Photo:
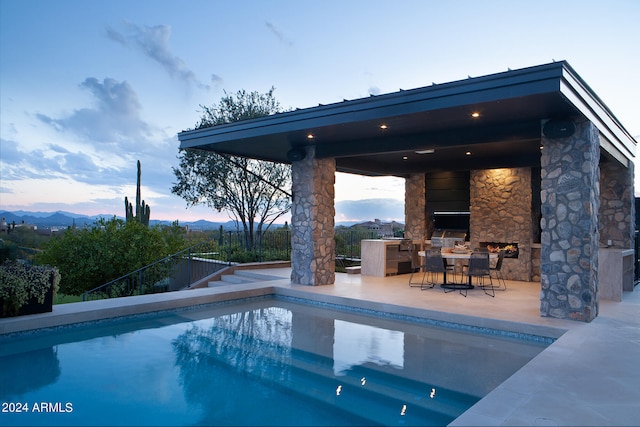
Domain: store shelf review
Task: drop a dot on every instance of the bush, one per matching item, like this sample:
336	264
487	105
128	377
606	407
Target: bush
90	257
8	250
22	284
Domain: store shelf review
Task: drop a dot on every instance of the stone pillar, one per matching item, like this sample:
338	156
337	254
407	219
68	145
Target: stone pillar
617	205
415	214
312	220
570	201
500	212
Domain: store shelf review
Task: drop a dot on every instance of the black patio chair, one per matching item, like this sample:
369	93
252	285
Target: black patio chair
417	265
434	265
497	273
479	268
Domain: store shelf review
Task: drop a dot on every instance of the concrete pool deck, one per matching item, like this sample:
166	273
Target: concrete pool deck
589	376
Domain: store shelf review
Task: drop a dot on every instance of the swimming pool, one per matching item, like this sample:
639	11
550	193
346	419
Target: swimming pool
261	361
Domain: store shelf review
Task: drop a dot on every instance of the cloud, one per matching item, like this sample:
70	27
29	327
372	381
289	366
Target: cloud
115	118
96	145
369	209
116	36
53	161
279	35
216	80
153	42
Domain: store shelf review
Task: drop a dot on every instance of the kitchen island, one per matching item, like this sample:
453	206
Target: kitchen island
386	257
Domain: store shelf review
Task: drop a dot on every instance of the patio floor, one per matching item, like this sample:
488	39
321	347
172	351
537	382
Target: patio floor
589	376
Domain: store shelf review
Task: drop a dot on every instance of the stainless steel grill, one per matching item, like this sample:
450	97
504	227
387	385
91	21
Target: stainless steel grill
447	238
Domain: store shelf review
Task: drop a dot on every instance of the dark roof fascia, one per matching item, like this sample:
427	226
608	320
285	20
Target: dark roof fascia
509	84
619	143
556	77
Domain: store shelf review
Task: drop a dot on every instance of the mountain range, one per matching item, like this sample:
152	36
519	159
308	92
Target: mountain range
62	219
66	219
386	209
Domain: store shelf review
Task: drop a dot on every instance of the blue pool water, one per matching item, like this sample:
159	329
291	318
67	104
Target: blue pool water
256	362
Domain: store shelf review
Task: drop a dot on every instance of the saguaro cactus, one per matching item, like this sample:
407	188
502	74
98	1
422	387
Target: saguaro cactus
143	211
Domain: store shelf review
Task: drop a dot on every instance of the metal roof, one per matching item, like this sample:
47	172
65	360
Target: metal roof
512	106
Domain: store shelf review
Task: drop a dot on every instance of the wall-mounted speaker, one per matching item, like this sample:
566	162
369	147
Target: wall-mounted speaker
295	154
558	129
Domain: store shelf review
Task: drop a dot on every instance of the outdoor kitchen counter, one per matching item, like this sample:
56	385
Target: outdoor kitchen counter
385	257
616	272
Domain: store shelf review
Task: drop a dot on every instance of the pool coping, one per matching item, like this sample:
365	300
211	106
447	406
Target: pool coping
67	314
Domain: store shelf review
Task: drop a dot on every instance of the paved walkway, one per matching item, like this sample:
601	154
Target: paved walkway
589	377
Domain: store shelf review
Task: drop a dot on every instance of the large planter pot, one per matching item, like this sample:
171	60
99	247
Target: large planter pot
34	307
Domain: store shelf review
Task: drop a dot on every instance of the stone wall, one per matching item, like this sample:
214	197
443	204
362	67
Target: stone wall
414	207
617	205
501	212
313	220
570	202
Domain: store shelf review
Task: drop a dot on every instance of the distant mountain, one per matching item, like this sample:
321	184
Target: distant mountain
385	209
67	219
367	209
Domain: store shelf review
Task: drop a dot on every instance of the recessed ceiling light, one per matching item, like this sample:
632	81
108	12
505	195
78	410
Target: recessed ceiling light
475	114
404	157
468	153
310	136
383	126
426	151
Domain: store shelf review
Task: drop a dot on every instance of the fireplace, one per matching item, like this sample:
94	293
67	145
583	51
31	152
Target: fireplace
510	249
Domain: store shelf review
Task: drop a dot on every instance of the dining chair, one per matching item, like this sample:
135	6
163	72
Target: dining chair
497	272
417	265
479	268
434	265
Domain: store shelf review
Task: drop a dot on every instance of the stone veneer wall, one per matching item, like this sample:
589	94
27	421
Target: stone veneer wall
500	211
313	220
570	202
414	207
617	205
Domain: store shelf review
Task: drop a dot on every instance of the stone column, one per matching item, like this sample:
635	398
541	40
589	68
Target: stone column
617	205
500	207
415	215
570	202
312	220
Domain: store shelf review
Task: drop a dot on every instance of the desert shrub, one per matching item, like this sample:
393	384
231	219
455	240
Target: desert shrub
90	257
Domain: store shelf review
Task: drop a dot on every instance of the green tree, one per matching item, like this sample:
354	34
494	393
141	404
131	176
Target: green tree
90	257
250	191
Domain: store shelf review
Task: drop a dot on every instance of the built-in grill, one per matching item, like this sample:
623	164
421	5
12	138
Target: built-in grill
447	238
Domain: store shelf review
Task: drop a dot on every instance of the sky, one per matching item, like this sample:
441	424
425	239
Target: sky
89	87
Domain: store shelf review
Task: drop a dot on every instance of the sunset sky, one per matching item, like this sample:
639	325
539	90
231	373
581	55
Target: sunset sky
88	87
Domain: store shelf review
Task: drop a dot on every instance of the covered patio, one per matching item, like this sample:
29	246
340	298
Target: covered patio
547	166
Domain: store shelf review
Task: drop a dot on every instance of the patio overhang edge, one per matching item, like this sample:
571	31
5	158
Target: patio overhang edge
288	130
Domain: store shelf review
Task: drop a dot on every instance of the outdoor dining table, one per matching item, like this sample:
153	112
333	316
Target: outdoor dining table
447	253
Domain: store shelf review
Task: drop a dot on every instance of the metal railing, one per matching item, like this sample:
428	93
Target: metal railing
172	273
190	265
